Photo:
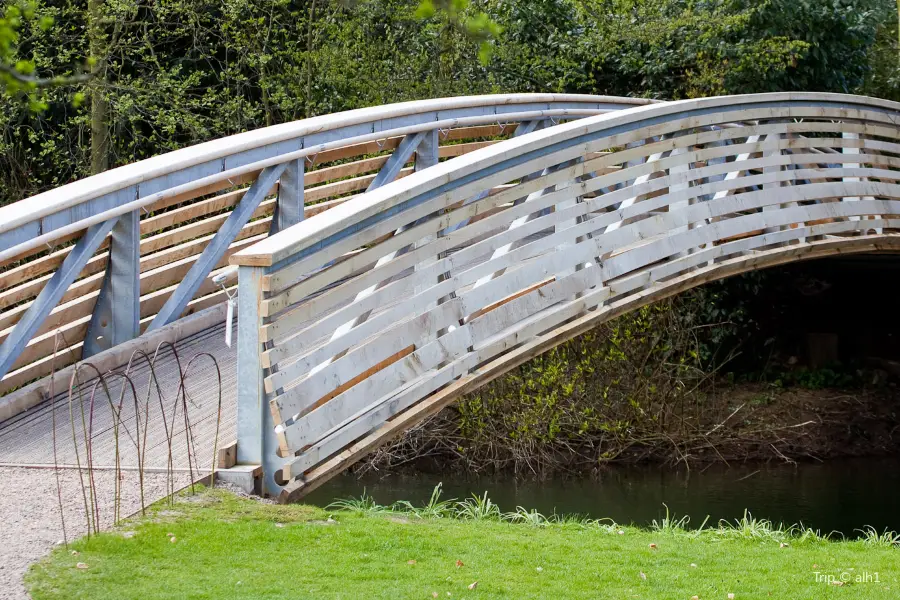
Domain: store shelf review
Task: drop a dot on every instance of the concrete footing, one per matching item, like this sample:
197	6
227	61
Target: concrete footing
246	477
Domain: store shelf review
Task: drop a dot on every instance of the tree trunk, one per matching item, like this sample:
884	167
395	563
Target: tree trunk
99	106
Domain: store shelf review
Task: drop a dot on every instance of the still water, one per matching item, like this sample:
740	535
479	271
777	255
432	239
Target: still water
840	496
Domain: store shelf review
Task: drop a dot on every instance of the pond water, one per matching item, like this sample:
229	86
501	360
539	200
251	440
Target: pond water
840	495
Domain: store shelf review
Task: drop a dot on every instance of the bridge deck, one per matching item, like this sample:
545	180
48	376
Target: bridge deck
28	438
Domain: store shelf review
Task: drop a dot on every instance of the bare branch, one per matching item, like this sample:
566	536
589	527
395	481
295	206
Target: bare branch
43	82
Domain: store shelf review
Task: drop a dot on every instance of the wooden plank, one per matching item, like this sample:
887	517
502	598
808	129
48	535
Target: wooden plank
195	211
484	374
35	393
212	188
79	300
46	365
446	348
491	334
204	227
45	264
227	456
453	150
364	375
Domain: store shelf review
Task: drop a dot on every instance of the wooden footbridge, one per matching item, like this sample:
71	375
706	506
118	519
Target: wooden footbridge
375	282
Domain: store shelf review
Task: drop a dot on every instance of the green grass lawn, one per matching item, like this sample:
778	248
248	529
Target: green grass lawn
228	547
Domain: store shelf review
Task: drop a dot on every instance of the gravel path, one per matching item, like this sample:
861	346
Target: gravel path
29	513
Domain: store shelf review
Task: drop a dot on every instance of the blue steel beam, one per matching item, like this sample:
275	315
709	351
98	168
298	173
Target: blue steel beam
289	207
52	293
216	248
256	440
427	151
117	314
527	127
395	161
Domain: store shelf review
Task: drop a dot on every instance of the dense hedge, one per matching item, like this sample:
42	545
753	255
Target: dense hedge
177	72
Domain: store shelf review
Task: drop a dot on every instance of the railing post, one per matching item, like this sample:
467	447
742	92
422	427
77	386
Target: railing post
117	314
427	151
51	294
289	206
256	443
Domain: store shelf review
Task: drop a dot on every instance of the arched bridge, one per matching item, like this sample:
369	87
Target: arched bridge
379	308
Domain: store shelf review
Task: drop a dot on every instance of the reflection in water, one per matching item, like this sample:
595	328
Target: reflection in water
842	495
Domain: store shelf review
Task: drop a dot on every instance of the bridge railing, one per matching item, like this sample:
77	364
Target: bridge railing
91	264
361	321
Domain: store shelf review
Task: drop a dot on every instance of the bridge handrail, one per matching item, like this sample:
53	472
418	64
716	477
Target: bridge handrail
132	249
278	247
141	183
356	318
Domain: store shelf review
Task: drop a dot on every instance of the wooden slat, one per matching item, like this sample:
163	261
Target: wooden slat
348	455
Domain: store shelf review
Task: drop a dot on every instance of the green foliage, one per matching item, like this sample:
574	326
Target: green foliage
885	539
478	508
606	388
178	72
231	547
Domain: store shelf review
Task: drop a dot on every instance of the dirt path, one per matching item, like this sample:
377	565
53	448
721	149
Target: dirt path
30	523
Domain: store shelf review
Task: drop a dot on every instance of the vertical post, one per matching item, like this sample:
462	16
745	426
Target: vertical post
256	442
771	148
117	314
427	151
53	291
426	156
675	188
289	207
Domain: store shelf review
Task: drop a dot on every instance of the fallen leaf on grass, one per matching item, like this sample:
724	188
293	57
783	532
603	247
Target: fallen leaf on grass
81	566
653	546
473	585
173	539
695	597
459	563
434	594
410	562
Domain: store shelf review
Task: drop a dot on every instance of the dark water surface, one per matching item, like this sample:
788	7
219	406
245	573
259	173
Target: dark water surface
840	495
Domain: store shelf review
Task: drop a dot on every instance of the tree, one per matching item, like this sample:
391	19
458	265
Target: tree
19	75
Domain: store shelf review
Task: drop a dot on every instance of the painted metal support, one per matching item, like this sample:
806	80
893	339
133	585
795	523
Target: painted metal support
117	314
426	156
527	127
289	207
52	293
256	442
216	248
395	161
427	151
